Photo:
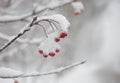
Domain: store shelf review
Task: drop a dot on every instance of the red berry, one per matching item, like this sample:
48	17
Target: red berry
45	55
57	39
52	54
63	34
40	51
76	13
57	50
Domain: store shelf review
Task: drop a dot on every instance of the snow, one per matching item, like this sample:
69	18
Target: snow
36	40
49	44
62	21
13	18
11	38
78	6
91	45
25	27
21	40
9	73
3	36
6	81
53	4
40	8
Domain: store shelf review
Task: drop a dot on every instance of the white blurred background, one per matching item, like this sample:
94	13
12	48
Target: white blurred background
93	36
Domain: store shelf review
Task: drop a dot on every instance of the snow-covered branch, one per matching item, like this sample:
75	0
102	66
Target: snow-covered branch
22	32
52	5
53	19
11	74
22	40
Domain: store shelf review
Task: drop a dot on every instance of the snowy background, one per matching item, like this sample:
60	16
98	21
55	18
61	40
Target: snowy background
93	36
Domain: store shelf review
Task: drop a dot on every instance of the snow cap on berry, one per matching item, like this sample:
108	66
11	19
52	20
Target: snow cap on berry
78	7
63	22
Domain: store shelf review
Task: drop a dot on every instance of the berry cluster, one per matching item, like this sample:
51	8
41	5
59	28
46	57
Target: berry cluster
52	54
50	46
60	25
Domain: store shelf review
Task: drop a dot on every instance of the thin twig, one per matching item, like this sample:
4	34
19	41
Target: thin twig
43	29
52	25
59	70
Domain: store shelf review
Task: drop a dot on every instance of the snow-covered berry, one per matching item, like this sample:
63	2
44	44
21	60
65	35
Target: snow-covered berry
78	7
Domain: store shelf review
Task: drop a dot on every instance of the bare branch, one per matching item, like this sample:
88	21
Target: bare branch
59	70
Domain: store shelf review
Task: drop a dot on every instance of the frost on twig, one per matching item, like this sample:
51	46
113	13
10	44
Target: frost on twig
16	74
9	73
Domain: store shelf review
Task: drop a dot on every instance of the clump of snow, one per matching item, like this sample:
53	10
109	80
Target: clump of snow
78	6
54	34
60	19
9	73
63	22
